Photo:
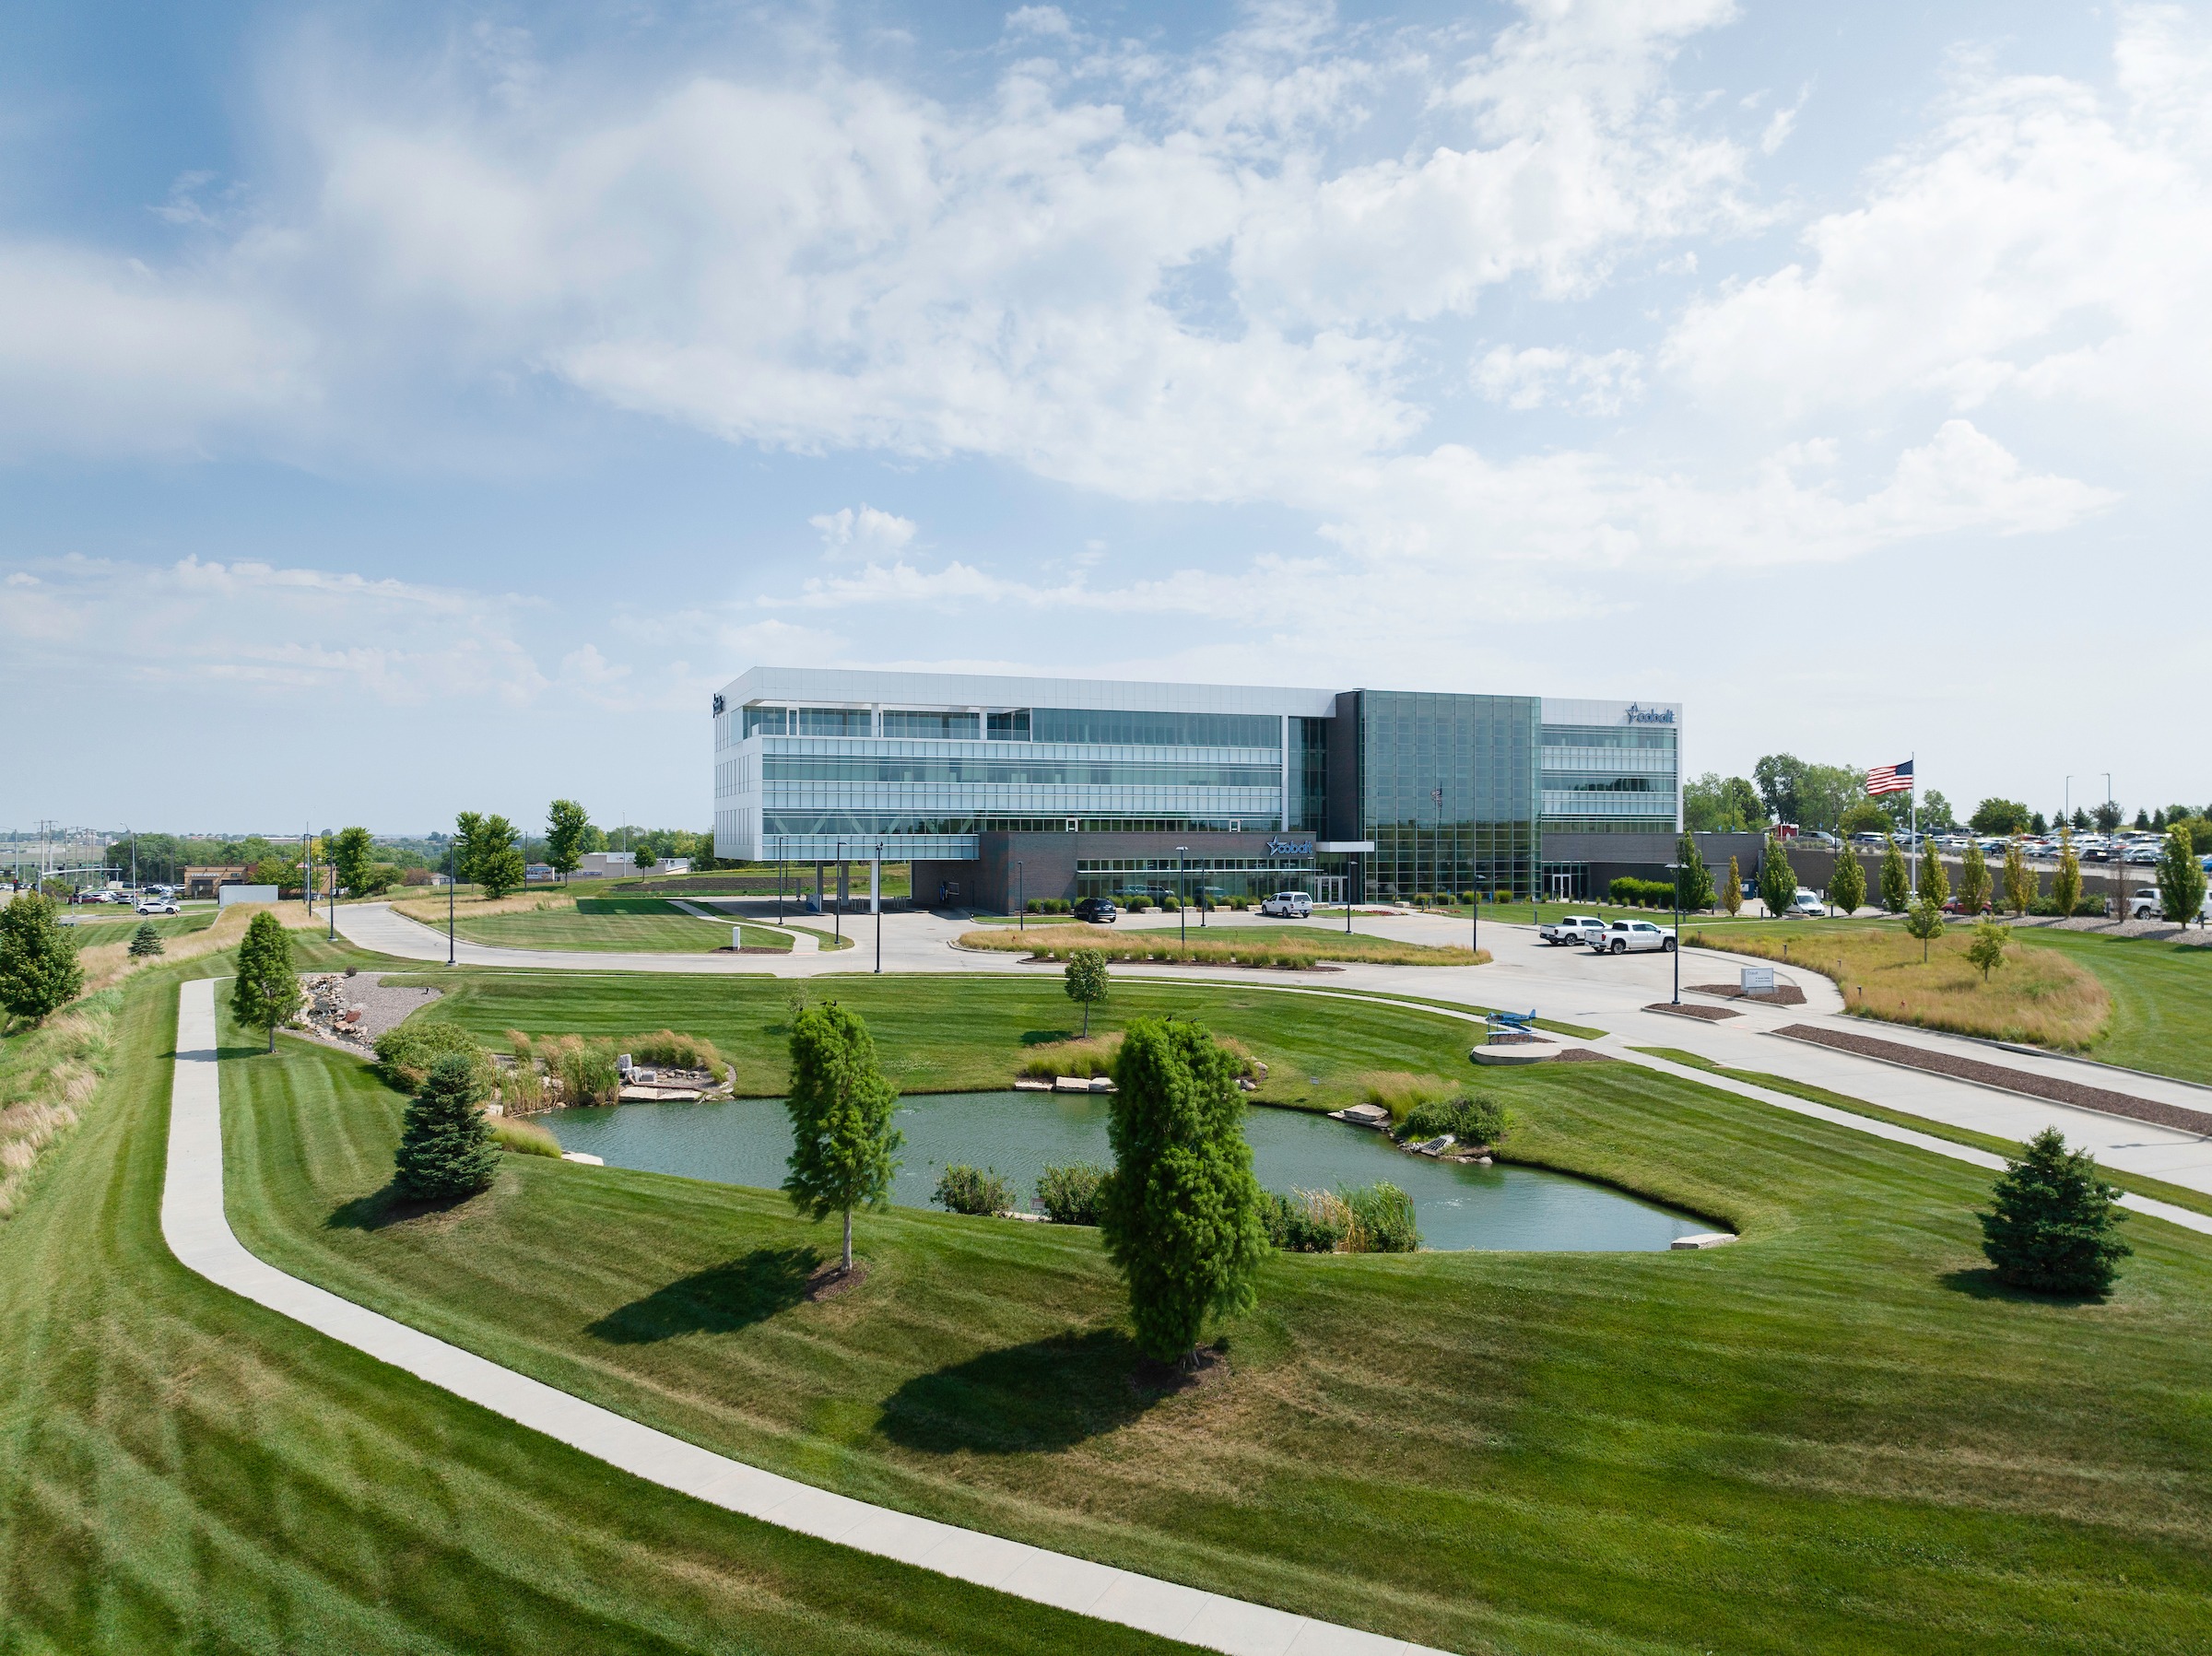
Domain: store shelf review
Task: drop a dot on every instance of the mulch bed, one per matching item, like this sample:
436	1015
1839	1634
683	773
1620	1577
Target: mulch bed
1786	994
1582	1055
1996	1074
1151	1379
1707	1014
1224	965
833	1279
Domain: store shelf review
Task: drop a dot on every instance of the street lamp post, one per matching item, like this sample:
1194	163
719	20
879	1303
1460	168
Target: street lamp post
1021	898
331	907
453	868
837	925
876	903
1675	869
1182	923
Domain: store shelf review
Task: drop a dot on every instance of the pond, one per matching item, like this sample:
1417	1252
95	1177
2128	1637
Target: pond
745	1141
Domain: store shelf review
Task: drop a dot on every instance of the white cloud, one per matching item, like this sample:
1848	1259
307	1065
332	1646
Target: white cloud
2045	242
865	534
1578	380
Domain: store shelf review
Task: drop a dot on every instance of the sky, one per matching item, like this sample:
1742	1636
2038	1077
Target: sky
411	409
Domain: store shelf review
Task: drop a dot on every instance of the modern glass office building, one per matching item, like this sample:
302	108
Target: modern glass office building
998	789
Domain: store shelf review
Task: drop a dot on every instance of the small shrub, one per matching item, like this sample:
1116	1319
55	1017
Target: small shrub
1136	905
1474	1120
406	1055
525	1139
1069	1195
1381	1220
965	1189
145	941
1305	1221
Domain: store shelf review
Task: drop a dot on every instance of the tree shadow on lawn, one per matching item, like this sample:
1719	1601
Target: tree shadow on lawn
1983	1283
1046	1038
719	1300
386	1207
1046	1395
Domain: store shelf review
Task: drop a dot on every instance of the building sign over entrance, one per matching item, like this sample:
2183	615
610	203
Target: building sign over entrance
1289	848
1650	715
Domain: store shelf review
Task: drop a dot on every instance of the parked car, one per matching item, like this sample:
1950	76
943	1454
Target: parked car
1868	837
1098	910
2140	853
1572	928
159	905
1818	837
1288	905
1951	905
1633	938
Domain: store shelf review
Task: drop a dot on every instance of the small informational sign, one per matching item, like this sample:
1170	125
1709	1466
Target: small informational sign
1758	979
737	937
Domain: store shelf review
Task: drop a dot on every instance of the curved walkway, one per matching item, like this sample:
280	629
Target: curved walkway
194	1224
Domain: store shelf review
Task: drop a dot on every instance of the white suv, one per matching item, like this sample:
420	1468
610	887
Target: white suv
1288	905
1632	937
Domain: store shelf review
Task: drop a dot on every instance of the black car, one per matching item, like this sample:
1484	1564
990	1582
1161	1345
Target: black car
1098	911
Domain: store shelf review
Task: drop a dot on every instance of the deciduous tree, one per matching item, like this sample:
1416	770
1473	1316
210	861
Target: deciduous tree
1973	881
350	852
1935	884
844	1147
1087	980
566	824
2053	1222
1180	1211
1694	880
265	994
2020	880
40	972
1995	816
2066	884
487	856
1924	920
1732	890
1896	885
2181	878
1777	879
1847	885
1988	950
445	1146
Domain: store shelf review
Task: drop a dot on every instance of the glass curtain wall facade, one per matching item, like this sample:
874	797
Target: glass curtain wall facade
1610	779
1449	793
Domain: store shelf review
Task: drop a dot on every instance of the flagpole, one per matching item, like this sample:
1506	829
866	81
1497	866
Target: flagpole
1913	810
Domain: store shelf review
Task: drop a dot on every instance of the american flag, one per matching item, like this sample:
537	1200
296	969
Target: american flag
1890	778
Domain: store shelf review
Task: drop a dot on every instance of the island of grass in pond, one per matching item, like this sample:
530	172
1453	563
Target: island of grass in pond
1458	1205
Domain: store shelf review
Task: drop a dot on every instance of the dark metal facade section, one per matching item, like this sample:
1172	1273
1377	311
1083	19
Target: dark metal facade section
1054	865
1449	792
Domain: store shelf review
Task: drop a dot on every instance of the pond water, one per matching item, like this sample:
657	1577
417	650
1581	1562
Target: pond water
745	1141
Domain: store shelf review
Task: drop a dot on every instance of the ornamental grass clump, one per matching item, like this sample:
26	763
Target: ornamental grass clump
2051	1223
965	1189
446	1150
1401	1092
586	1070
1092	1056
525	1139
677	1051
1305	1221
1381	1220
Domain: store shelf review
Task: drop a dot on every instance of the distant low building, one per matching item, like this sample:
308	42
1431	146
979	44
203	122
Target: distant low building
607	866
538	871
207	882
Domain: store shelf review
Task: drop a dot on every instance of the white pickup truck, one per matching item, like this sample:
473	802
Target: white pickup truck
1572	928
1633	938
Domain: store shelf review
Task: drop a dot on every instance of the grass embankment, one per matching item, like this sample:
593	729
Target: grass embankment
1839	1434
2038	996
927	1032
180	1470
1296	948
2181	1195
601	924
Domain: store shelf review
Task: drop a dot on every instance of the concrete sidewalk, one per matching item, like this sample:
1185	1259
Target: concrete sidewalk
194	1224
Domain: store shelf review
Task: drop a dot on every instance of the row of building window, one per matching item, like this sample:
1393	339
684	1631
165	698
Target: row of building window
885	768
856	824
1086	726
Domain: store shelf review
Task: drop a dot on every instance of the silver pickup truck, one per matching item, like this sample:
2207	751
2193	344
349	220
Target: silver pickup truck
1572	928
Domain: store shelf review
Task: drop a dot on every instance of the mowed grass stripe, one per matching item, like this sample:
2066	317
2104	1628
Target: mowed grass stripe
182	1470
1834	1436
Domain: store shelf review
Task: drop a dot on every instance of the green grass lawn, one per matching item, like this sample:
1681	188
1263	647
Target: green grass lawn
636	925
2161	992
1839	1434
122	927
181	1471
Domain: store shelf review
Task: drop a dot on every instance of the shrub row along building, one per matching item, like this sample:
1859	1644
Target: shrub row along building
1000	789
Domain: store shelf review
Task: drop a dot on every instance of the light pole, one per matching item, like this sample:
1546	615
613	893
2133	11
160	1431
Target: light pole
877	906
453	868
331	907
778	880
1021	898
1182	923
1675	869
837	924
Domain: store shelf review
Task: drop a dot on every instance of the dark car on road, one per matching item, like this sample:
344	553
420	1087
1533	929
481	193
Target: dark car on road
1098	911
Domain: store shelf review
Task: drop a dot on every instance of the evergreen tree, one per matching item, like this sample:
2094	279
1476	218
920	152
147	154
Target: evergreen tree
40	973
446	1149
266	990
1924	920
351	850
1973	880
1777	879
1694	880
2053	1220
145	941
1180	1211
2066	884
1847	885
1897	885
2020	880
2181	878
566	824
843	1148
1934	882
1732	890
1087	980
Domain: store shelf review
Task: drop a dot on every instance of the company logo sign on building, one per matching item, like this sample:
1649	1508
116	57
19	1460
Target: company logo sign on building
1650	715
